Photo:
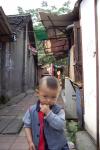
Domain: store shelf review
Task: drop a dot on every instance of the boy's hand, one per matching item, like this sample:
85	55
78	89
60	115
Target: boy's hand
31	146
45	109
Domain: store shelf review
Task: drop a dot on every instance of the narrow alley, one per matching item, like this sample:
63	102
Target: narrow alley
58	42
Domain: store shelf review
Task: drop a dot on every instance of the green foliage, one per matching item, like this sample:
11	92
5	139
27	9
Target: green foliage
42	57
72	127
44	4
20	10
64	9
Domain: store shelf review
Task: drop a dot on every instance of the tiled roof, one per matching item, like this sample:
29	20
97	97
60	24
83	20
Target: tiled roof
17	22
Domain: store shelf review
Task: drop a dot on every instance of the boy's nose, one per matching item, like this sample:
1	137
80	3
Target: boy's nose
48	99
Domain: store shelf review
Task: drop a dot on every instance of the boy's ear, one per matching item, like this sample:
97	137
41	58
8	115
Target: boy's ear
37	92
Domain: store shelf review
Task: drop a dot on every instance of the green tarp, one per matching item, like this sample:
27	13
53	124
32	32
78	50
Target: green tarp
41	34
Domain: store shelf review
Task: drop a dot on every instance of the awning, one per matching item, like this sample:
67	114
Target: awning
55	25
5	29
4	25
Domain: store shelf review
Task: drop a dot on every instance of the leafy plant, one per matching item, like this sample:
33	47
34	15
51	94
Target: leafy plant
72	127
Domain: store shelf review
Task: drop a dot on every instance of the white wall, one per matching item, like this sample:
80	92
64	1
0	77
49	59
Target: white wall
99	48
89	64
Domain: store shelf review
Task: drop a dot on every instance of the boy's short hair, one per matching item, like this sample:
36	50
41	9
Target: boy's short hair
51	82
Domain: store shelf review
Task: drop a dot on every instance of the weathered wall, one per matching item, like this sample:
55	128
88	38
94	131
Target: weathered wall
2	68
30	66
19	68
13	75
0	72
31	72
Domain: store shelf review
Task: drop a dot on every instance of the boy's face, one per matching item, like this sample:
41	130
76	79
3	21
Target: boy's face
47	96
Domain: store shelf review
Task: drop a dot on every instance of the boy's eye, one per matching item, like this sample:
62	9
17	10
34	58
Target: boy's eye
45	96
53	97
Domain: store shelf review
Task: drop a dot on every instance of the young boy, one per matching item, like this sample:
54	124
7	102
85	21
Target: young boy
44	121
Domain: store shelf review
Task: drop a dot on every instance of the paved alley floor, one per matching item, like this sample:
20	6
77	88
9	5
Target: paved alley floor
13	142
12	135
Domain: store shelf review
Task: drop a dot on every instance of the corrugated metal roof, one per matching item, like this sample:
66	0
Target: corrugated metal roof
56	24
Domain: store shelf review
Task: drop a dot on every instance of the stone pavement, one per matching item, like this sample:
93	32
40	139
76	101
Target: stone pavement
13	142
11	114
11	138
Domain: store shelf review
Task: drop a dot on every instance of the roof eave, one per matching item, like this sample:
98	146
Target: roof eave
5	23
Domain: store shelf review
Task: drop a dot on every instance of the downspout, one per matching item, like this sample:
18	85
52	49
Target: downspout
70	27
97	70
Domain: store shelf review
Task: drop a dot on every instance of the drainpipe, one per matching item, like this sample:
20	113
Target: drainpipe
70	27
97	70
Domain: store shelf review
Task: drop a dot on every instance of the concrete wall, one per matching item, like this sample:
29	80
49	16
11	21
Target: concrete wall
2	68
99	49
19	68
89	64
30	67
0	72
14	55
31	72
